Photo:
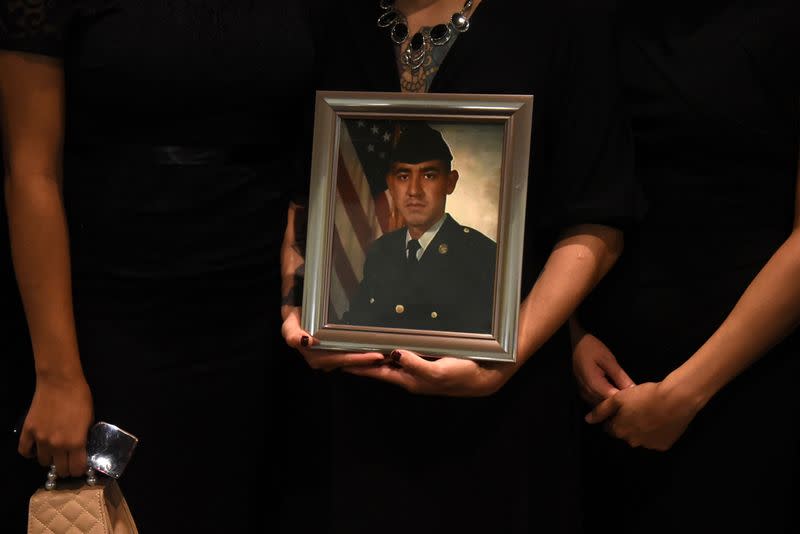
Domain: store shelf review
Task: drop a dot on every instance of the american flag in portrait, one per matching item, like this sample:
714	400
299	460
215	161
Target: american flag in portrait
364	208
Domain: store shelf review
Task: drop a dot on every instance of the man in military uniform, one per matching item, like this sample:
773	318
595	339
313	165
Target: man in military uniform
432	274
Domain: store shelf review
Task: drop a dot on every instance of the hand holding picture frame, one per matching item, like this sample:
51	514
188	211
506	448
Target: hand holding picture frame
416	223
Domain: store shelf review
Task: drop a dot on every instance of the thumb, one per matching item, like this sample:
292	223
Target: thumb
616	373
598	385
26	444
295	336
410	361
603	411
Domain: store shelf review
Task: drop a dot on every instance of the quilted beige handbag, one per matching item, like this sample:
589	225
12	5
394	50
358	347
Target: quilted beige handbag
76	507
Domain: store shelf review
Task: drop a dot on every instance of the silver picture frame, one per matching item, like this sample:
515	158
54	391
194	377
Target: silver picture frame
515	115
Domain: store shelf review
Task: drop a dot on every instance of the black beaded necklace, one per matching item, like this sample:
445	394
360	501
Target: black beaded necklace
415	53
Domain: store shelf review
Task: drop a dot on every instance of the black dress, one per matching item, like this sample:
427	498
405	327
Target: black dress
509	462
715	116
184	126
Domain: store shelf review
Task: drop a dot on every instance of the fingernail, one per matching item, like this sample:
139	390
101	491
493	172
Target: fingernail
304	341
395	356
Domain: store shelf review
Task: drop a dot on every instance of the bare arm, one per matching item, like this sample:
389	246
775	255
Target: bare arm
767	311
291	261
32	110
655	415
581	258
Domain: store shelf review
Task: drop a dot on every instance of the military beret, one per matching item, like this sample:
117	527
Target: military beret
418	142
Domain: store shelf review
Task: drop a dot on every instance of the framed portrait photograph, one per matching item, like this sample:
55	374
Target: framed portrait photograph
416	222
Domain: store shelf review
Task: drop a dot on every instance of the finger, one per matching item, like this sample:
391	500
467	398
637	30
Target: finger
607	428
599	386
397	377
61	461
333	360
603	411
298	338
77	462
412	362
589	396
44	454
613	428
584	391
26	443
617	374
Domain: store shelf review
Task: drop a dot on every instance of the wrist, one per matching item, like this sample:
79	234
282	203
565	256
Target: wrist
59	372
690	393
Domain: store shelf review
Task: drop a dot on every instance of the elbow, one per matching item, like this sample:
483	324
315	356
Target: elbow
602	243
608	244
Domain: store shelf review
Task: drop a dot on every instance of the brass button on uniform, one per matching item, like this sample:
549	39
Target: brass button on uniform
434	315
399	308
372	301
466	230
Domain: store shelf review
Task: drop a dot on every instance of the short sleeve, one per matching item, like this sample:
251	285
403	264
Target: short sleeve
592	174
42	26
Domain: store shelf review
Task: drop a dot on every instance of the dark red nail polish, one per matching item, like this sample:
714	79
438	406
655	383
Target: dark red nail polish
304	341
395	355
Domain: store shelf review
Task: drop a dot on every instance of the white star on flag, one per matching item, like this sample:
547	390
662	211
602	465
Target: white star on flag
370	148
375	129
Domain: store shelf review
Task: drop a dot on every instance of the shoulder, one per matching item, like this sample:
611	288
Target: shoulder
473	239
41	26
574	15
772	41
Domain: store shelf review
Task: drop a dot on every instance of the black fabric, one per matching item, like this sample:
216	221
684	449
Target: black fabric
714	101
175	258
507	463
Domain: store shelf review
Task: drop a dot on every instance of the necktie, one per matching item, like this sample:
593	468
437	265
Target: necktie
412	247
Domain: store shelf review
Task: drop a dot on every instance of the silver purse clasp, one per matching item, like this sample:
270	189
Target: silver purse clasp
108	450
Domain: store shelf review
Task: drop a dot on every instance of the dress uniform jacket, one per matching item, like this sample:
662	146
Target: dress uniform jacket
449	289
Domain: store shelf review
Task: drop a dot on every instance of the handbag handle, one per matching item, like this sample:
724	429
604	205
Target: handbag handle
109	448
52	476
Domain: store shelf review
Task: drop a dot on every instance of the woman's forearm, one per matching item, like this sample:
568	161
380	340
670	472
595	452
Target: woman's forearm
580	259
40	252
291	259
766	312
32	121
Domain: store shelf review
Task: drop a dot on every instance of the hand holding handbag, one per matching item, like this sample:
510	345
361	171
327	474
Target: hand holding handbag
91	506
